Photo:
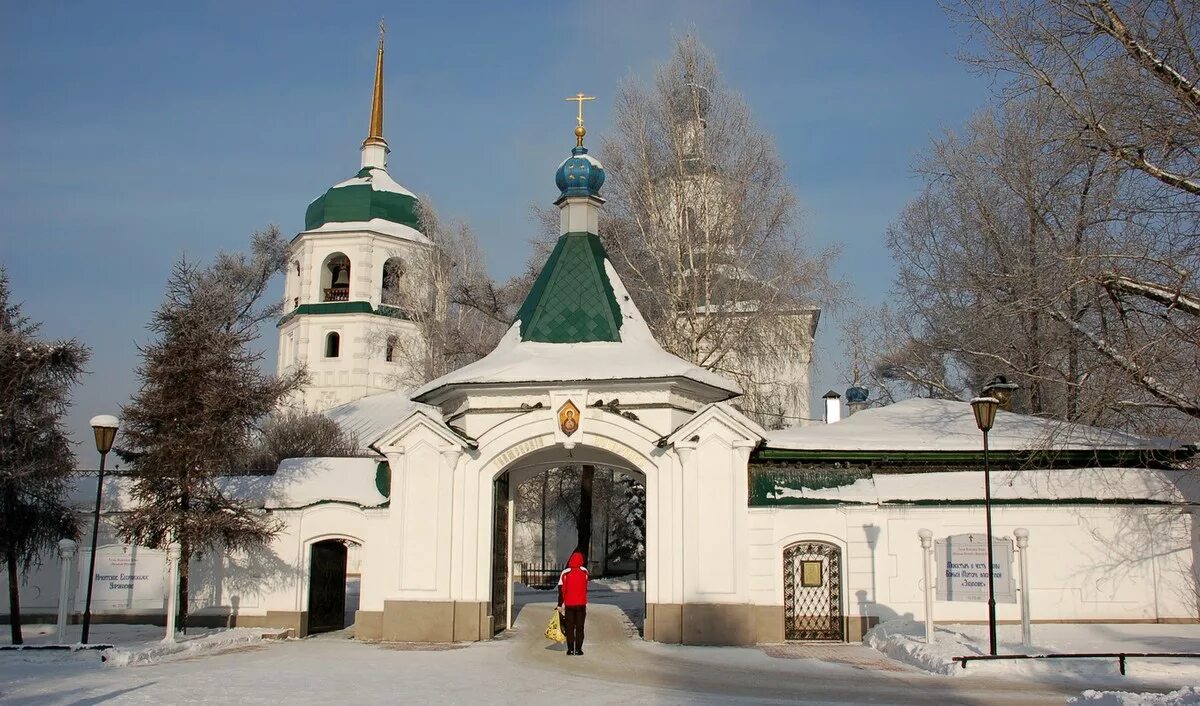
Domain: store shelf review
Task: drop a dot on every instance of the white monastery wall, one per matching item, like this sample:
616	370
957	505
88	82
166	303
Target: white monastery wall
1087	562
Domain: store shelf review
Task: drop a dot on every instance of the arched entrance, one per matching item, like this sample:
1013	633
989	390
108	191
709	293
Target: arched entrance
812	591
332	594
531	471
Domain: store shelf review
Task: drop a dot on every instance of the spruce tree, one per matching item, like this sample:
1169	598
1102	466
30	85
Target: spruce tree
202	396
35	454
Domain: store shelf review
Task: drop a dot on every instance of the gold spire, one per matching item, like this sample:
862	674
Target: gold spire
580	130
375	136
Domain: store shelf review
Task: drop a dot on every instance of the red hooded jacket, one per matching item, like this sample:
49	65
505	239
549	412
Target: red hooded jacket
572	582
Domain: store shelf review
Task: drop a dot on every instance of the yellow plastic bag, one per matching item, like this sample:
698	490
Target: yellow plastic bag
554	629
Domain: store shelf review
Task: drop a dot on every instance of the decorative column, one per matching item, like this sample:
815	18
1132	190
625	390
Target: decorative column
66	552
174	549
926	550
1022	536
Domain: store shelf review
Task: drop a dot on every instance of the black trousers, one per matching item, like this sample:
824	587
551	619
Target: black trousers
573	617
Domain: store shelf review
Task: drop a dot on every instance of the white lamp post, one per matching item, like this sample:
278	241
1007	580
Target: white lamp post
174	549
66	552
926	544
1022	536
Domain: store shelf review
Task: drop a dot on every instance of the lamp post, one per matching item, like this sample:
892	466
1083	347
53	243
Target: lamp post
105	427
985	415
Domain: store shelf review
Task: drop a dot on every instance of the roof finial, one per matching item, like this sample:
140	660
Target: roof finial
580	130
375	135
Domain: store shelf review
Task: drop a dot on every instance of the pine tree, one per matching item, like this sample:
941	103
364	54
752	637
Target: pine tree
202	395
35	455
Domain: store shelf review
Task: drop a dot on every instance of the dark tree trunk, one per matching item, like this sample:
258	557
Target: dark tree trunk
585	510
14	599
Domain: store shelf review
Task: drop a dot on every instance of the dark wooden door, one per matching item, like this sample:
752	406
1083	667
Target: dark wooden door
500	563
327	586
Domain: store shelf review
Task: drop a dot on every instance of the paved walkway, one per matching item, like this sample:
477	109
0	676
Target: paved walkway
811	673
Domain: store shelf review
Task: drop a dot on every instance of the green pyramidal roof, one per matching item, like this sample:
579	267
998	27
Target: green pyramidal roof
572	300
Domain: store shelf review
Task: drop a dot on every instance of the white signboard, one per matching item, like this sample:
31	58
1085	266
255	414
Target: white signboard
962	568
127	578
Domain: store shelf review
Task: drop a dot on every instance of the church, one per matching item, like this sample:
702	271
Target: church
752	535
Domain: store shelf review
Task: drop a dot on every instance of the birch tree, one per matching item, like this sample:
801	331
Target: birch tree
36	462
704	228
1121	78
459	313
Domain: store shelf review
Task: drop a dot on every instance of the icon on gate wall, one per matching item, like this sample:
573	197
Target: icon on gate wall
568	418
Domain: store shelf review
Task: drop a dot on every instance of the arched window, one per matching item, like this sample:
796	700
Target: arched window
335	278
333	344
389	351
393	280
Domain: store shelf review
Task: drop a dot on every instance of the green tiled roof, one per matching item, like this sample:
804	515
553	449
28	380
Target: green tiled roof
572	300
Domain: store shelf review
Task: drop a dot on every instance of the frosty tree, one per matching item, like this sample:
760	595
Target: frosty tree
1056	239
35	455
702	226
202	394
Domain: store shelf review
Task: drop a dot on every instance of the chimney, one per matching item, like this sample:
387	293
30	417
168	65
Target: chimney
833	407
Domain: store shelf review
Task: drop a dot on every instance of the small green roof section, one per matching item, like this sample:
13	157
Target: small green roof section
370	194
572	300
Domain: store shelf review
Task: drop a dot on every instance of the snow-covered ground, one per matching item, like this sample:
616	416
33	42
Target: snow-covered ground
132	644
1186	695
904	640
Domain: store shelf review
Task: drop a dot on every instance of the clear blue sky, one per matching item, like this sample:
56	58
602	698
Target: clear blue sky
131	134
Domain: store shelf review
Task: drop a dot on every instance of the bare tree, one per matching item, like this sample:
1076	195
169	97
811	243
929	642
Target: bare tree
459	313
1121	80
703	228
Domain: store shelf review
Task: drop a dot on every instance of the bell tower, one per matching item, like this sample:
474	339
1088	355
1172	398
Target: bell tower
354	289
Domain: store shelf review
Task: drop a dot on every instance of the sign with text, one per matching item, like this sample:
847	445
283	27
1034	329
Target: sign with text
127	578
962	568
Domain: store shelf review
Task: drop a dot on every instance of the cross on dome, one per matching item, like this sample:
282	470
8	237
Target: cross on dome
580	130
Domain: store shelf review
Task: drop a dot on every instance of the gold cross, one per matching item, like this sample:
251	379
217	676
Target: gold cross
381	31
580	98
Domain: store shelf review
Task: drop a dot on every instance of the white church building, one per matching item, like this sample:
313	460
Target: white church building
752	536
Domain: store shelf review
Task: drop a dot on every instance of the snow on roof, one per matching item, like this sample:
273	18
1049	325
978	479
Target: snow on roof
379	180
375	225
636	356
371	417
949	425
1067	484
297	482
304	481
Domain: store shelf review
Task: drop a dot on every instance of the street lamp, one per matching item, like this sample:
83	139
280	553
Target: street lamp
105	427
985	415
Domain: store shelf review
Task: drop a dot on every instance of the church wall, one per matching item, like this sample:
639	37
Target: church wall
1107	563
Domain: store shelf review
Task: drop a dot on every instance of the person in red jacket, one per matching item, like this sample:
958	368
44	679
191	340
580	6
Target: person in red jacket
572	601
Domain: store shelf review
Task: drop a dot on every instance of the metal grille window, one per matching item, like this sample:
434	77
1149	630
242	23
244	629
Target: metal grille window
812	592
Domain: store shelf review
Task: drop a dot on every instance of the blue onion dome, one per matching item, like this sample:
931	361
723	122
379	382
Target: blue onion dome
857	394
580	174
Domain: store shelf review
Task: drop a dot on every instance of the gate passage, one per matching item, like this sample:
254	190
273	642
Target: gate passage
812	592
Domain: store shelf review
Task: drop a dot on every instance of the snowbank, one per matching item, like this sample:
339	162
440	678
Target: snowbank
1186	695
184	646
904	640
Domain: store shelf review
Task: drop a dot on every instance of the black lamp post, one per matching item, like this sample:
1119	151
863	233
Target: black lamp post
105	427
985	415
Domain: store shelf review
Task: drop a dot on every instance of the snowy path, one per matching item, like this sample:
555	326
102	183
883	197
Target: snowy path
520	668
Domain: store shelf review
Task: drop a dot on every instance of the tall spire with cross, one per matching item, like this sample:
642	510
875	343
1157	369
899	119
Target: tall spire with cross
375	148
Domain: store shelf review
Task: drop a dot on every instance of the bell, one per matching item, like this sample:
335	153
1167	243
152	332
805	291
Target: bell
342	277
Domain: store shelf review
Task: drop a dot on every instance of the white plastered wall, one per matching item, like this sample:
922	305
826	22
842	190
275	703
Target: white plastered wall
1087	562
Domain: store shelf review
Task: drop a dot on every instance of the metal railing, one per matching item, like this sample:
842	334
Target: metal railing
337	294
540	578
1121	657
